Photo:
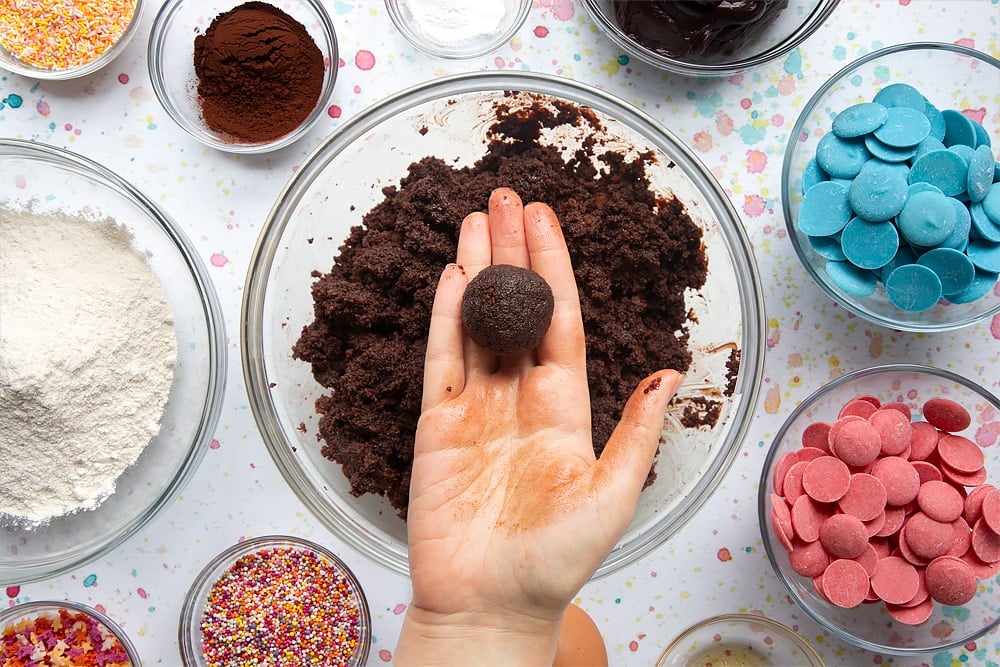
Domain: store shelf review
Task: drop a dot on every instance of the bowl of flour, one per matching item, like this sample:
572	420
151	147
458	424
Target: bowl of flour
112	360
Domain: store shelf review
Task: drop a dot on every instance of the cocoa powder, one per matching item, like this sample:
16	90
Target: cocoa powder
259	73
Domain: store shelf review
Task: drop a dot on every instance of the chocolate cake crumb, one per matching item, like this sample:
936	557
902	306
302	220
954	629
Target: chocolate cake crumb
634	255
700	411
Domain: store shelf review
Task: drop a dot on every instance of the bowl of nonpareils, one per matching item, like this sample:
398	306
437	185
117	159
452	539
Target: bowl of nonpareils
243	76
709	38
880	510
112	360
340	286
891	191
65	40
275	600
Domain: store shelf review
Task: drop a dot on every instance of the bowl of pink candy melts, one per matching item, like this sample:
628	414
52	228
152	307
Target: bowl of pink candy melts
879	505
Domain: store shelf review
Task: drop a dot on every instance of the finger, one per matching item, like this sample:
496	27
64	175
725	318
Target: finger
444	361
629	454
564	343
507	228
474	254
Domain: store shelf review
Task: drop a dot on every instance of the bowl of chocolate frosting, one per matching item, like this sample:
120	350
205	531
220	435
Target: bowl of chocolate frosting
709	37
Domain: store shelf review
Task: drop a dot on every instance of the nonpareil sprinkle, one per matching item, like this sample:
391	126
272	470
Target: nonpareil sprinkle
59	34
281	606
68	638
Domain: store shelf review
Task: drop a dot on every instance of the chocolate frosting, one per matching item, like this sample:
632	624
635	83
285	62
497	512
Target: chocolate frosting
683	28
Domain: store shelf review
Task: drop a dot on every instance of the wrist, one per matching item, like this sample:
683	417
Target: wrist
430	638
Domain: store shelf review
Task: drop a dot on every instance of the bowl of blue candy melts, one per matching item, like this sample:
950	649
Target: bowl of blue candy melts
891	187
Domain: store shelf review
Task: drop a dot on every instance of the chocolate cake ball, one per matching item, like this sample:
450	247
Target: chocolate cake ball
507	309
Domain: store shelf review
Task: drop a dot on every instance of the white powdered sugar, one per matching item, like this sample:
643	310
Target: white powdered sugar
455	21
87	352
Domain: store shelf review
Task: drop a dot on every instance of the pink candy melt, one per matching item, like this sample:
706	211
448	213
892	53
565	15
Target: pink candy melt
876	508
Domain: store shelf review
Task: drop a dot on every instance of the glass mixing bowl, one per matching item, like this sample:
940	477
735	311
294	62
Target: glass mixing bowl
950	77
52	180
795	23
449	117
739	639
869	626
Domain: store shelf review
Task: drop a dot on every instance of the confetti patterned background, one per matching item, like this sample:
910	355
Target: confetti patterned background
738	127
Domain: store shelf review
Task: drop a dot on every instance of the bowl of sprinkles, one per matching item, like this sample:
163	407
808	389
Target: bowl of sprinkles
275	600
38	634
65	40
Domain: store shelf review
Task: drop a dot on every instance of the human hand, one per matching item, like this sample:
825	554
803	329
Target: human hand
510	513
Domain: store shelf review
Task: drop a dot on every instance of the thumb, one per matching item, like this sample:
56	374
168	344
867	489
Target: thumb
629	453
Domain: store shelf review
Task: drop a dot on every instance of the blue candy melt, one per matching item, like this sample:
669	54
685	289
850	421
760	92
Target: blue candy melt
859	119
984	255
851	279
980	287
913	287
982	136
841	158
927	219
985	228
953	268
869	245
879	191
901	95
942	168
827	247
825	209
958	129
812	174
938	127
991	203
888	153
903	256
927	145
980	176
959	237
904	127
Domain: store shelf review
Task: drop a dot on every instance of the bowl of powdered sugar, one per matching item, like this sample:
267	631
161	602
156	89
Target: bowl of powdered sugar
111	360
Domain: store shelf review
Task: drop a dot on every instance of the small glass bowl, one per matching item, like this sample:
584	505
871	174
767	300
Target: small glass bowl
739	639
795	23
190	634
28	612
171	66
950	77
440	41
450	118
869	626
10	62
52	180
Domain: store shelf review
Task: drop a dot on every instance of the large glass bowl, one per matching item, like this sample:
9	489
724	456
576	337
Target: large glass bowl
170	57
449	118
950	77
869	626
52	179
795	23
12	63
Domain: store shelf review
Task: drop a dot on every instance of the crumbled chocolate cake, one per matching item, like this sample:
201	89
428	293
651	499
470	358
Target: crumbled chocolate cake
634	254
507	309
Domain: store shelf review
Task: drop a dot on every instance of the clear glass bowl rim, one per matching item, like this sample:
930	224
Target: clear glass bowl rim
194	598
811	24
261	261
215	323
471	50
765	481
154	49
772	625
87	68
40	606
786	178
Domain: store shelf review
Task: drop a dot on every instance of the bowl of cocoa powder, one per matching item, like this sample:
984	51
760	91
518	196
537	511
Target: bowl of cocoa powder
340	285
243	77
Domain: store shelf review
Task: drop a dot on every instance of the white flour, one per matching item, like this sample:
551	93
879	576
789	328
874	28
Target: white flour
87	351
454	21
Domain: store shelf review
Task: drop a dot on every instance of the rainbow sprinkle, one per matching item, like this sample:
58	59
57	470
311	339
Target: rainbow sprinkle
66	639
59	34
281	606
